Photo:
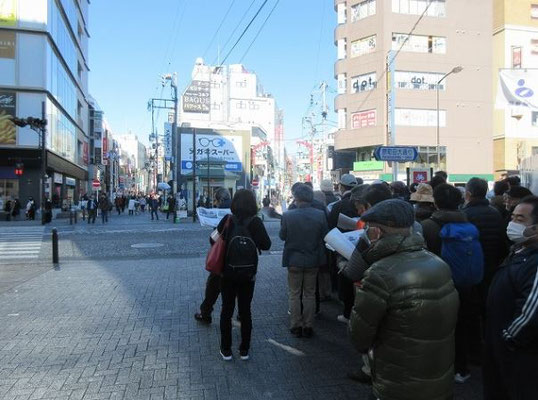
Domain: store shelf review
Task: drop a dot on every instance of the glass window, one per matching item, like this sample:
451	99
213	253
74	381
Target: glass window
363	46
417	7
419	43
364	83
534	118
419	117
9	189
363	10
534	11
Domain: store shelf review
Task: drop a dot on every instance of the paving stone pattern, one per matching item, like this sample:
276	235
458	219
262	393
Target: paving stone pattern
125	330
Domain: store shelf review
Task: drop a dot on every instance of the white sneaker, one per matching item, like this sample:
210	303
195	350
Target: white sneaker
458	378
226	355
342	319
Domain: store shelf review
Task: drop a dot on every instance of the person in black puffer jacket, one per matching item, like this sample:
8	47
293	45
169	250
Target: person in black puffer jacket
489	223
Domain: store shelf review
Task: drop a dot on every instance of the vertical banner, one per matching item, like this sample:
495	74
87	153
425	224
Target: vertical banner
8	108
8	12
167	141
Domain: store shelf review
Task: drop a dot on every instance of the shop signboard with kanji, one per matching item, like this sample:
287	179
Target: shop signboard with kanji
227	150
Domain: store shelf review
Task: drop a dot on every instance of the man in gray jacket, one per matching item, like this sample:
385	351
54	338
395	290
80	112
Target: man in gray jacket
303	230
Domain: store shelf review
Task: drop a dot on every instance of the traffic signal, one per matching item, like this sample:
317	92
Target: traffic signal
19	169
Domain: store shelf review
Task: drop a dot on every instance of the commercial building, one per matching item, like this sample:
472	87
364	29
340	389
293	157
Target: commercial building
231	113
133	161
451	34
515	46
44	61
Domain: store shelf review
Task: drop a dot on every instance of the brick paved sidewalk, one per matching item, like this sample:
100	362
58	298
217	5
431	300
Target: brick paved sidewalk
124	330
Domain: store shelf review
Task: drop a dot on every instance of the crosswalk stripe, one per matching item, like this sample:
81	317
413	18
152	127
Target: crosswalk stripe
20	245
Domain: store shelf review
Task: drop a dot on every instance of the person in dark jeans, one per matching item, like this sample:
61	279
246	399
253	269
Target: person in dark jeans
212	287
244	210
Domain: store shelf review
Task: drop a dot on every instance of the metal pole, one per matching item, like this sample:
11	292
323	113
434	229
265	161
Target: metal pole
55	258
438	139
193	174
208	188
43	163
176	155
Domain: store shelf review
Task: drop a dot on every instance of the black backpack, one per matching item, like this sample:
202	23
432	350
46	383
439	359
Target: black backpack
241	252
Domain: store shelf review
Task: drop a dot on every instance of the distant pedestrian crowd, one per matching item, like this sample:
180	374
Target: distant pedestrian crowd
441	277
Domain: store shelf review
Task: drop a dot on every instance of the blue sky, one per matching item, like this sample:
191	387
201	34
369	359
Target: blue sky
133	42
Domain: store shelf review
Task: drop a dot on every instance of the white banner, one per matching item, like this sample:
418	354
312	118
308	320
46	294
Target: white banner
167	141
517	88
211	216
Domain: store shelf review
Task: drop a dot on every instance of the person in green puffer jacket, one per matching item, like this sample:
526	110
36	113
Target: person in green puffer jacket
405	310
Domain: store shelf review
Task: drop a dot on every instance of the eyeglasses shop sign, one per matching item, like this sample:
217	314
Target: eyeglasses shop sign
197	98
226	149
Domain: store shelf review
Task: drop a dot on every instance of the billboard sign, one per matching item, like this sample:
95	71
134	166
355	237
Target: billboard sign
363	119
225	149
8	12
8	108
167	141
197	98
7	44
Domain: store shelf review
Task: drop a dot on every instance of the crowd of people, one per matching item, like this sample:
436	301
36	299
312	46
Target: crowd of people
441	277
90	205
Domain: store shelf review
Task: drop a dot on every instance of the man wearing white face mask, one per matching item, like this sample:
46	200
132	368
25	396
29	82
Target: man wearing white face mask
512	313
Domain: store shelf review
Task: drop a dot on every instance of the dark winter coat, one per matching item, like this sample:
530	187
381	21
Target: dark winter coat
330	197
431	228
492	231
303	230
344	206
406	312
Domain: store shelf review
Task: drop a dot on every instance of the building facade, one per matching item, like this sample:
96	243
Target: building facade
44	74
230	101
451	34
515	46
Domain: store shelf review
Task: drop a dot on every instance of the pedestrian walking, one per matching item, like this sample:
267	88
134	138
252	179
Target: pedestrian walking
511	356
15	209
132	205
245	237
171	207
143	204
302	230
104	207
30	209
154	207
92	209
405	309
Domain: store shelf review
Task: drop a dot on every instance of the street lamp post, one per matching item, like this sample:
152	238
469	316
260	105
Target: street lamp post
455	70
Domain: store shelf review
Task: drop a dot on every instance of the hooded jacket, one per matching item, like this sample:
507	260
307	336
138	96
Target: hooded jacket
406	312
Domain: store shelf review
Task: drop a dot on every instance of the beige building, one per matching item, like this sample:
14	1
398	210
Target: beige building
515	45
452	33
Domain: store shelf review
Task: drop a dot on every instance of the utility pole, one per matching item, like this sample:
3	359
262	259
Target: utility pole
43	161
194	175
176	155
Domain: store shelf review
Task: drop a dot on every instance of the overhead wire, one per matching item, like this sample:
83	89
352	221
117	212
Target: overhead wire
244	32
391	61
218	29
259	31
238	24
322	27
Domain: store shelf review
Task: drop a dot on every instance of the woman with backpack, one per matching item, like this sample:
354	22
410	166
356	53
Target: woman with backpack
245	236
